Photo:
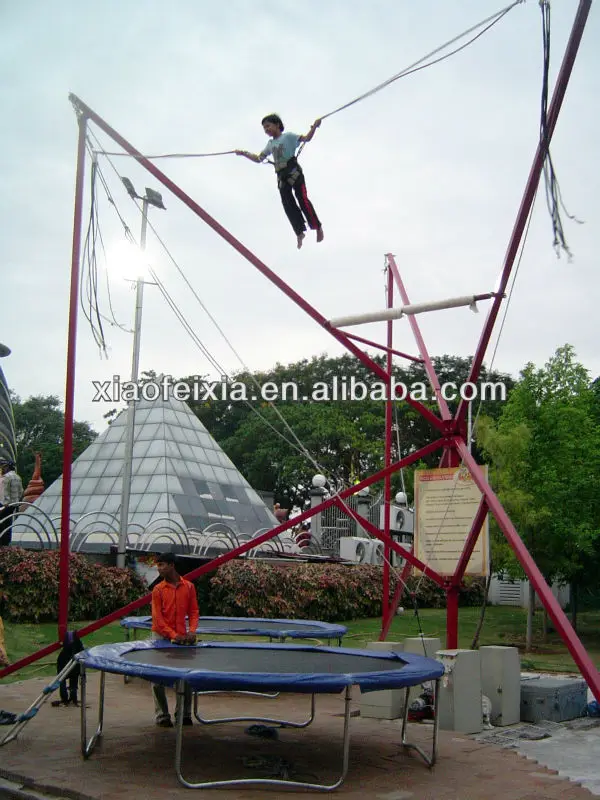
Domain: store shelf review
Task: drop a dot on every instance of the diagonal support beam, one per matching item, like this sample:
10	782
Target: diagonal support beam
529	193
429	368
543	591
470	542
399	353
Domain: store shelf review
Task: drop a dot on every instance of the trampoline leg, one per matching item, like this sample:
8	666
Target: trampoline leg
88	746
429	759
128	636
283	722
288	784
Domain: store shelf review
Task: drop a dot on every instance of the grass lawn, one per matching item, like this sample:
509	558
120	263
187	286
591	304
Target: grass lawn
503	626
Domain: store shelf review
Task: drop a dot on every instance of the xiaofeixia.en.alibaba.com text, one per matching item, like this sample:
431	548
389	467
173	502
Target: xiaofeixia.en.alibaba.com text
340	388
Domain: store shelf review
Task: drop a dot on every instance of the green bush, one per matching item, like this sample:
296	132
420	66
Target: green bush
330	592
29	586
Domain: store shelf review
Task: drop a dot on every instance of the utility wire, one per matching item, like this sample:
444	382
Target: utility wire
299	446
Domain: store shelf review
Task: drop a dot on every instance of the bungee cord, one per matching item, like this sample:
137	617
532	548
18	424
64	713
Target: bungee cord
416	66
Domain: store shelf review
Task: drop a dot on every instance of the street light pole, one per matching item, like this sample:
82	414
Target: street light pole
150	198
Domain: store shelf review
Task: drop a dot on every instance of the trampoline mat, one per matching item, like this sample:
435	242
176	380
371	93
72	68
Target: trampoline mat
262	661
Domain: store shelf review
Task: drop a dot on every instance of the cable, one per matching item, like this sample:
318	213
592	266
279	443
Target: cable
554	199
190	331
493	19
299	446
88	287
168	155
489	22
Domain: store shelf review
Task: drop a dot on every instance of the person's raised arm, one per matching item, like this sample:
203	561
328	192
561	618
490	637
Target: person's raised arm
308	136
251	156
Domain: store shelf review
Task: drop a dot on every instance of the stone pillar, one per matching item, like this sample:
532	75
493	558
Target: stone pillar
387	703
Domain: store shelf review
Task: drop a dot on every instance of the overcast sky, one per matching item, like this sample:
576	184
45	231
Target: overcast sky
431	169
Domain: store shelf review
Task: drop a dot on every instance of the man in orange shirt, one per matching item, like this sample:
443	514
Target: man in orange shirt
173	600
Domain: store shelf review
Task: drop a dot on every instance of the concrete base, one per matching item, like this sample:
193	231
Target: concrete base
501	682
421	646
389	703
460	691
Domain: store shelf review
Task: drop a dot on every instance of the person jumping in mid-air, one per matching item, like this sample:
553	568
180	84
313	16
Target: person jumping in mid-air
290	178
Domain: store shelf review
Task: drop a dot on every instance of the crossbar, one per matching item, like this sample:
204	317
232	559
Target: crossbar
411	309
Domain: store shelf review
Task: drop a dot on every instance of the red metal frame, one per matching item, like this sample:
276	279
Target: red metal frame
65	519
387	485
451	428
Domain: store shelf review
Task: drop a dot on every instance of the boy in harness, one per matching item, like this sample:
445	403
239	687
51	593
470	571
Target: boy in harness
290	178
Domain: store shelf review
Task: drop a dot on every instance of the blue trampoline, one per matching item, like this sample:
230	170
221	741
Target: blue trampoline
273	629
238	667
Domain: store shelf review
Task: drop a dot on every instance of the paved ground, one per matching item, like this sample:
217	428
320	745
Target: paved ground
136	759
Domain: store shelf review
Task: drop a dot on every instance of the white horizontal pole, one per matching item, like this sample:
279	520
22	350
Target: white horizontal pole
413	308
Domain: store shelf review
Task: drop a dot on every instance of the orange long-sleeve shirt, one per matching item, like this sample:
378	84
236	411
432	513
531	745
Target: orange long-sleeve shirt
171	605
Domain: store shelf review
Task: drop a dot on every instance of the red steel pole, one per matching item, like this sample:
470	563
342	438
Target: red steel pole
442	405
356	338
63	592
470	542
529	193
543	591
387	484
393	607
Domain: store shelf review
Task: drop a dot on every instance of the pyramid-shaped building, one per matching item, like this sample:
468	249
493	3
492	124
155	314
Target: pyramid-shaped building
180	476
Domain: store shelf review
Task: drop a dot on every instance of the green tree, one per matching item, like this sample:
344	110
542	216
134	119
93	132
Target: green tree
346	437
39	423
545	464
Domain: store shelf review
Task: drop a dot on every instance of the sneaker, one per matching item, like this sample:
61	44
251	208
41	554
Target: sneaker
164	722
188	721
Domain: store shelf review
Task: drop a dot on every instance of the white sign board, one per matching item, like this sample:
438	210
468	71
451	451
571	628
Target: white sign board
446	501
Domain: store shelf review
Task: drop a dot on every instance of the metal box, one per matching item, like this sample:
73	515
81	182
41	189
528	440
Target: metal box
388	703
553	699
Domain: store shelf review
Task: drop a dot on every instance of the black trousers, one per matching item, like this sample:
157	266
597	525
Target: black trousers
6	521
290	181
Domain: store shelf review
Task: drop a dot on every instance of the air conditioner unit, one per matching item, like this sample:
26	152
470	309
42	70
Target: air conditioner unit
377	552
396	560
402	519
353	548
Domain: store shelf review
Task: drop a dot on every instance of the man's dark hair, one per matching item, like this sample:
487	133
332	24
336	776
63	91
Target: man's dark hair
275	119
165	558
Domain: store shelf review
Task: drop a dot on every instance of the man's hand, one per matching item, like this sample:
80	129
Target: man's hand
179	639
190	639
317	122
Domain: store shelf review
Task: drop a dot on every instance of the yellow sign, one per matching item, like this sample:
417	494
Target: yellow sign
446	501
